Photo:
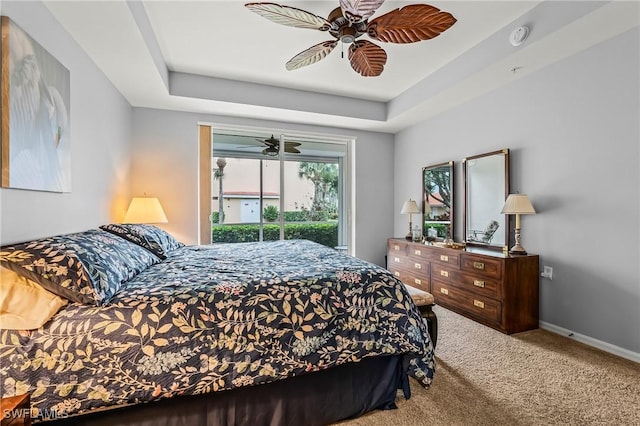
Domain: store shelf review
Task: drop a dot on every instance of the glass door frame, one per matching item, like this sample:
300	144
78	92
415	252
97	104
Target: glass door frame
346	177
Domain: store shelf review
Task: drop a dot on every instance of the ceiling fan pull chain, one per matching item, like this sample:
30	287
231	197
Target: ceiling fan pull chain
342	49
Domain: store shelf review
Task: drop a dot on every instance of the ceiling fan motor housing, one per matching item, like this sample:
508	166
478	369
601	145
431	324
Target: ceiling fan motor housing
343	29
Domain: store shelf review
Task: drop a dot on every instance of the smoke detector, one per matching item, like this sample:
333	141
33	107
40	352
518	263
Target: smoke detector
519	35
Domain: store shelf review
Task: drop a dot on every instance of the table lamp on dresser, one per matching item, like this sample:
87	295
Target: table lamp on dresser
410	207
517	204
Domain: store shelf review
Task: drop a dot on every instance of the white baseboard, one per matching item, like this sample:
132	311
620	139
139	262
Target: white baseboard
607	347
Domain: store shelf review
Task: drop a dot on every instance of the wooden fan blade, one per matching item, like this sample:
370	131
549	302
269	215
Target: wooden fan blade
291	150
291	144
311	55
290	16
410	24
367	59
359	10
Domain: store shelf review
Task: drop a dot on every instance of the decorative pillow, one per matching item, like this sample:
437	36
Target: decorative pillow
154	239
87	267
25	305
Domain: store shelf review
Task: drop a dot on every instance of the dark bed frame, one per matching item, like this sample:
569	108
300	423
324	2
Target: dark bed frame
317	398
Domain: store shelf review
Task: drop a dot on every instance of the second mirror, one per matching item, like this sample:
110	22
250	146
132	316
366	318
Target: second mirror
486	179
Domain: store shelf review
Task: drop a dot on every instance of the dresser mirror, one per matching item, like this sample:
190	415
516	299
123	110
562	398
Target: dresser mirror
486	180
437	201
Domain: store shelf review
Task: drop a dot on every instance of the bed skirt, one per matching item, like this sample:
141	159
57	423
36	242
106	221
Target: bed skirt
317	398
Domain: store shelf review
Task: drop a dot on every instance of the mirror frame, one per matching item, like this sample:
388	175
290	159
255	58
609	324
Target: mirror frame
500	245
450	222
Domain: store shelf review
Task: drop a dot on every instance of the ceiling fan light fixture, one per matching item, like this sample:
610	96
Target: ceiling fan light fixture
347	34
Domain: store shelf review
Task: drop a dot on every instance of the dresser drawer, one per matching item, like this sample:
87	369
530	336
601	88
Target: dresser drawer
482	307
444	273
412	279
481	285
420	266
418	253
397	248
482	266
446	258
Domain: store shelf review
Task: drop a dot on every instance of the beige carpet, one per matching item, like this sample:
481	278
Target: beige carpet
484	377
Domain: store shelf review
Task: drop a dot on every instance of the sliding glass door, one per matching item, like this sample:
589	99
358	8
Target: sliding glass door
262	191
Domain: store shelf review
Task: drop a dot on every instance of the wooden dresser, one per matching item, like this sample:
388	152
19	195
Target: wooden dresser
497	290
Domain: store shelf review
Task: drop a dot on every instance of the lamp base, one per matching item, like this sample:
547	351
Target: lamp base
517	249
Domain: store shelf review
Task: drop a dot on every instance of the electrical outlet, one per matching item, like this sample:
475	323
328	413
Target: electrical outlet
547	272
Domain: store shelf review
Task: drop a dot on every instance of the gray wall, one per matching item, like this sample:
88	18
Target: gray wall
573	131
165	164
100	143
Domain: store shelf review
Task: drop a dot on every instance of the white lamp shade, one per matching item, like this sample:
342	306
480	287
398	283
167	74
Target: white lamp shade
409	206
518	204
145	210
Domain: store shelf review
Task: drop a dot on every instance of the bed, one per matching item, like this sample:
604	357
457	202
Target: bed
155	332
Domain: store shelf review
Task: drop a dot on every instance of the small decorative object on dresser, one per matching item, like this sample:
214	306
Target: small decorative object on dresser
493	288
16	411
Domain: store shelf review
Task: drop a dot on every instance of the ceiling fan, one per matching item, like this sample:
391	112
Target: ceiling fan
273	146
350	20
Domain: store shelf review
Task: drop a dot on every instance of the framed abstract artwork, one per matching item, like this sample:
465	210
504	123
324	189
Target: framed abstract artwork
35	95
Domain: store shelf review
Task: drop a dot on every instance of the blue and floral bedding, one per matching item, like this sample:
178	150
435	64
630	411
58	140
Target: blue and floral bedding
216	317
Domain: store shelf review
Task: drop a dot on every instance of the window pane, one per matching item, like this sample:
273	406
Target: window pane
311	199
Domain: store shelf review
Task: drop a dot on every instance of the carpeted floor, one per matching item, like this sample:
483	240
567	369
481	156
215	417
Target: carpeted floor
484	377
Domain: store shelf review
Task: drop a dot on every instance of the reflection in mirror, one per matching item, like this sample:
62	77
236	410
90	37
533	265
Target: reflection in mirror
486	179
437	201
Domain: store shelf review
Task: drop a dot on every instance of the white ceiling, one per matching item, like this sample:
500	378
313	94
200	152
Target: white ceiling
217	57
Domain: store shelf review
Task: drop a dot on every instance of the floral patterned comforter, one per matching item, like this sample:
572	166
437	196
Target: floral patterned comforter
216	317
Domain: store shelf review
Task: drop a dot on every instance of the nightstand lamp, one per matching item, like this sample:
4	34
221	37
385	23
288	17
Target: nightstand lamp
410	207
145	210
517	204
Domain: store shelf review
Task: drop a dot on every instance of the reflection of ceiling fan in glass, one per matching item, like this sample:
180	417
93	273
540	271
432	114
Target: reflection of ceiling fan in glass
348	22
273	146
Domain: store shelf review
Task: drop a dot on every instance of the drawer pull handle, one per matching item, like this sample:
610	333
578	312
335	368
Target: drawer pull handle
444	273
478	304
396	259
478	265
396	273
417	266
444	258
417	252
478	283
444	291
417	281
396	247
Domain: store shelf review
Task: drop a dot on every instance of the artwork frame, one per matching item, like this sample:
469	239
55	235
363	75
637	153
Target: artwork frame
35	92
